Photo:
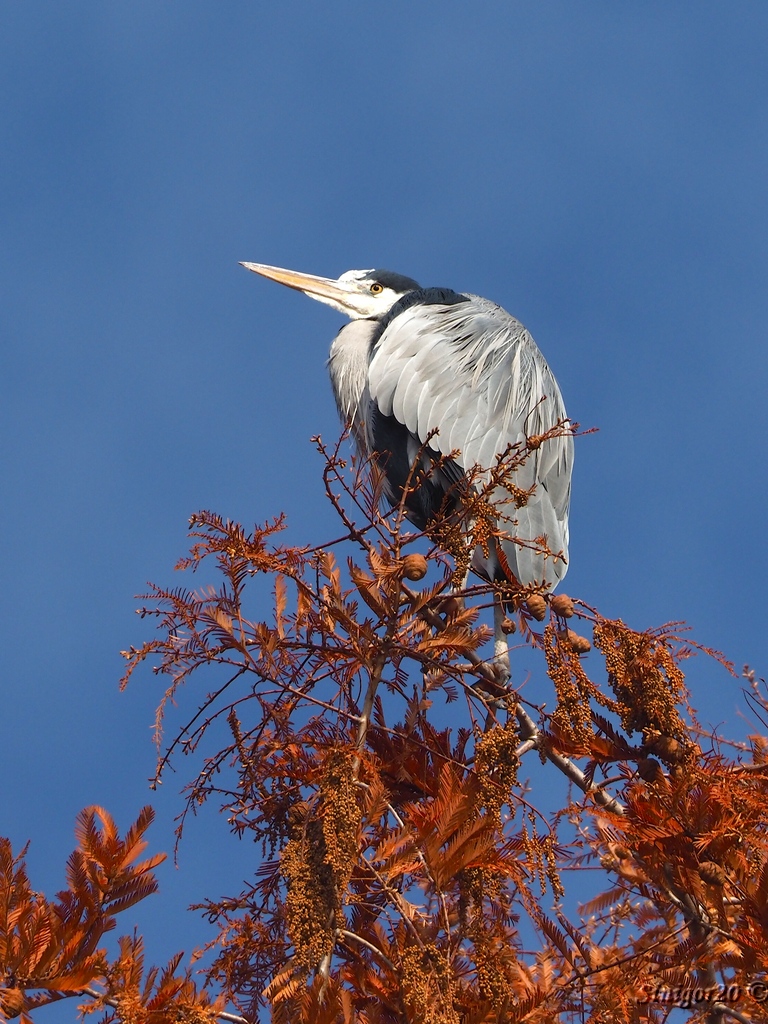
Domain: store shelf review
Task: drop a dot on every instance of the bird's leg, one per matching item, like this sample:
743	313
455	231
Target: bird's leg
500	646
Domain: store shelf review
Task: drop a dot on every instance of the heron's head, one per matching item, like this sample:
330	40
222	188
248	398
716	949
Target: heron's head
359	294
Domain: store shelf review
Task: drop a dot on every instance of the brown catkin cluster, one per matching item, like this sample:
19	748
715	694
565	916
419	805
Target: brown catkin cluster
460	535
490	980
572	718
496	967
483	525
450	535
475	886
550	860
130	1007
518	495
192	1013
534	855
427	985
542	858
496	766
310	902
644	676
341	815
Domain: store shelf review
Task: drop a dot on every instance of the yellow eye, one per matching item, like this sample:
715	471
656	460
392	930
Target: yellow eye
376	288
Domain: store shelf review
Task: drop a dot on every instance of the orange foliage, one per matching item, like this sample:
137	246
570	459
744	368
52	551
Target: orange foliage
411	870
49	949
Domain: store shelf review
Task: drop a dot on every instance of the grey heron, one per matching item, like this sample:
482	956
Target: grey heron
426	372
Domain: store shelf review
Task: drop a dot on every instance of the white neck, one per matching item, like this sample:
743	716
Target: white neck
348	367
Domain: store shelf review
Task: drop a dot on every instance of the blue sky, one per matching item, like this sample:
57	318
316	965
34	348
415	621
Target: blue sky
598	169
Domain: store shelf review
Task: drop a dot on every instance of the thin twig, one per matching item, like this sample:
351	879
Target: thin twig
368	945
531	734
231	1018
729	1011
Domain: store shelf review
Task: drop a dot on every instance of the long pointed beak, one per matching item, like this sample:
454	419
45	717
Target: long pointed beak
345	296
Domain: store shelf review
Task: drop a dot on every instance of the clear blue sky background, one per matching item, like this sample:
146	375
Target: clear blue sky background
598	169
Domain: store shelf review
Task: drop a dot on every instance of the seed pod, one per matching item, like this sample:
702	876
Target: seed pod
508	626
578	644
711	872
648	768
537	607
11	1001
667	748
562	605
414	567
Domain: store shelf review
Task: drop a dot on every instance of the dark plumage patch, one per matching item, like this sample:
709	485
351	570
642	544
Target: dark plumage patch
391	279
396	447
432	490
422	297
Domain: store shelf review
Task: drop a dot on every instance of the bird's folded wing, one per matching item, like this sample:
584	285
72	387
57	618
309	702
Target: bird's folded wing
472	372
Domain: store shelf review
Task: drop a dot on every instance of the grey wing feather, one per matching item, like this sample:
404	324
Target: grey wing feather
473	372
